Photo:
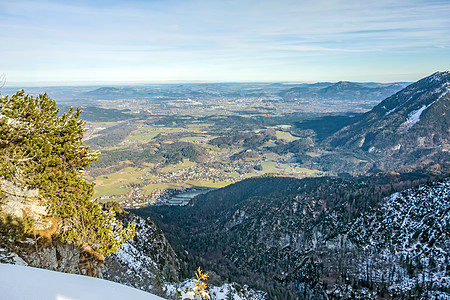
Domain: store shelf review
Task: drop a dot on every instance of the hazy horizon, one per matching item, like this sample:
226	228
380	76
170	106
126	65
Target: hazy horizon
143	83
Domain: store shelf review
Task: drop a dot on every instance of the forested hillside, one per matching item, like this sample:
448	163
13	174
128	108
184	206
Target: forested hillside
318	236
407	131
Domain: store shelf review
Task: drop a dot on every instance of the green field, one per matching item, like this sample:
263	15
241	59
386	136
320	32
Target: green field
191	139
283	135
143	136
172	168
269	167
210	147
148	133
108	185
210	184
235	174
109	190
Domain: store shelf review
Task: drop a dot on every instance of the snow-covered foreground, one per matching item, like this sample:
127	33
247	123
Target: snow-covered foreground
21	282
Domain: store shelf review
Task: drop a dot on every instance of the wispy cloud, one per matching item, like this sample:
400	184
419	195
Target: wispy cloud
69	39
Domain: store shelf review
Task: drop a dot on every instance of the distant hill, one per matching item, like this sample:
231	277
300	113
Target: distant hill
409	130
343	90
104	90
114	93
98	114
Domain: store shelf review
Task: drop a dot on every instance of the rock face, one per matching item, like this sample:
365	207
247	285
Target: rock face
23	202
44	250
145	262
60	257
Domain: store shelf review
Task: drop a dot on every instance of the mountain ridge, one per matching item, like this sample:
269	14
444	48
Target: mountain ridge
342	90
407	131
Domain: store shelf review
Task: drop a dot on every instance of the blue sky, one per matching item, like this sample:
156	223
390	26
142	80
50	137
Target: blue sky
226	40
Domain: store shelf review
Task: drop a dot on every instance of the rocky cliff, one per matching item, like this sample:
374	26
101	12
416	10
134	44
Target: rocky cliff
146	262
32	238
26	203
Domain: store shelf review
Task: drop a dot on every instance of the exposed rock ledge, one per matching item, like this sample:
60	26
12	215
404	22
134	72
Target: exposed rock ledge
65	258
44	251
23	202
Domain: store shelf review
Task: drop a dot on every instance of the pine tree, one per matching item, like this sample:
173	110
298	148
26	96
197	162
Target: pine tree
40	149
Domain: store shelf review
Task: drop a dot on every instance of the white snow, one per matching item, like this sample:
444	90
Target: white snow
236	291
413	118
18	260
413	230
391	111
446	89
403	103
10	257
133	258
438	76
21	282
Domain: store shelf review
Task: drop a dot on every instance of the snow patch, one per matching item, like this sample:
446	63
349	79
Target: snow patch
438	76
24	283
391	111
226	291
414	116
396	147
403	103
446	90
11	258
132	257
411	237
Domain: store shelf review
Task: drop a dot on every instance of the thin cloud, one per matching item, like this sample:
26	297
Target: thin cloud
245	35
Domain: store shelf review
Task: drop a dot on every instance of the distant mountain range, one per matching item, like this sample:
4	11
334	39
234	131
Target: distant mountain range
343	90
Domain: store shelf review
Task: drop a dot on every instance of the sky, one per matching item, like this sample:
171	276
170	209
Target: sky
226	40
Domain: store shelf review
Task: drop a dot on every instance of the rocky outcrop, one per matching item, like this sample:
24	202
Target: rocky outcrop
57	256
26	203
146	261
44	250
